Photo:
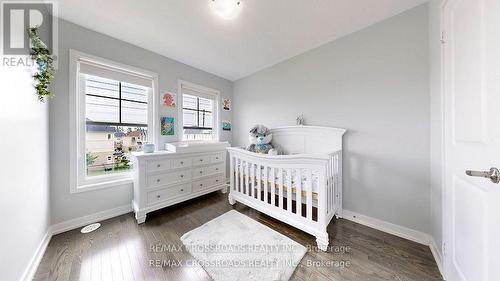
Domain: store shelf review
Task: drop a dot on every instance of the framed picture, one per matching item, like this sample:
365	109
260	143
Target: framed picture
226	125
169	99
167	126
226	104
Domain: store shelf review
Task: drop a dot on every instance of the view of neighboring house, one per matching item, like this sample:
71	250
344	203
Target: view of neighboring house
109	147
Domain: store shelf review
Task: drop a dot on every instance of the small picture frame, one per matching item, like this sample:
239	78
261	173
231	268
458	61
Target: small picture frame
226	125
226	104
168	99
167	126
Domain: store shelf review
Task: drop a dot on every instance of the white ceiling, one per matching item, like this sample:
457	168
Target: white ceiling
265	32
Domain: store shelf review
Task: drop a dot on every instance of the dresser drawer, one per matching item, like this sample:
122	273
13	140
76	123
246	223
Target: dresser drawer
158	165
215	169
199	172
216	158
207	183
168	178
168	193
201	160
181	162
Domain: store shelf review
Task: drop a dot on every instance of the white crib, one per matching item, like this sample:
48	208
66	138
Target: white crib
302	188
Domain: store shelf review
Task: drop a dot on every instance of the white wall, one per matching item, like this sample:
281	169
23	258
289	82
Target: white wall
436	122
24	171
374	83
67	206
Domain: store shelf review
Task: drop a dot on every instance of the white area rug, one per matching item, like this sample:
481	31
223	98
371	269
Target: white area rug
235	247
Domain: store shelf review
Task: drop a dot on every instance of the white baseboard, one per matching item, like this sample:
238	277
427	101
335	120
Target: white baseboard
437	255
394	229
82	221
30	270
400	231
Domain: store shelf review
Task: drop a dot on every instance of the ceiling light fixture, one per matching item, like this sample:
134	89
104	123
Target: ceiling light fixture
226	9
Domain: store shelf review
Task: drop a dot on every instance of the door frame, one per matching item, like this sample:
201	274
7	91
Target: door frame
444	138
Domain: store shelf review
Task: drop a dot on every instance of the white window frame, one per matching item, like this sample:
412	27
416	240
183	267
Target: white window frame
77	177
207	91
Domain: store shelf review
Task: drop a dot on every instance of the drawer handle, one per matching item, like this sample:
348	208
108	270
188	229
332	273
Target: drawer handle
182	176
158	196
182	163
216	169
182	189
201	160
158	166
201	172
216	180
216	158
157	180
201	184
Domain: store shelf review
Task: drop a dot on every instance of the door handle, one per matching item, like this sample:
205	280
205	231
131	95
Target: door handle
493	174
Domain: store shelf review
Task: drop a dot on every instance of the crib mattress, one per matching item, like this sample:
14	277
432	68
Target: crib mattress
277	186
277	176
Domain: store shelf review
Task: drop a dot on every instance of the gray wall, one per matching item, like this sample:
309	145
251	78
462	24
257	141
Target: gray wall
436	129
374	83
24	171
67	206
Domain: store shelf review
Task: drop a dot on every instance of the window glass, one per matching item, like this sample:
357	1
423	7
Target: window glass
198	117
116	116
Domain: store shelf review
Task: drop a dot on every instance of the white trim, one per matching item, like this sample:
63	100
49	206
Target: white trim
88	219
442	250
76	182
217	120
437	255
400	231
68	225
394	229
30	270
121	182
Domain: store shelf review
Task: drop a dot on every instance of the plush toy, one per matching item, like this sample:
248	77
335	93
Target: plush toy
260	140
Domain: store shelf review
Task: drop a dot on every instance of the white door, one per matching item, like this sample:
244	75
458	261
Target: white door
472	139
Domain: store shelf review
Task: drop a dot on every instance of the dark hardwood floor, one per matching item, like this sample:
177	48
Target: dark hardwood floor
121	249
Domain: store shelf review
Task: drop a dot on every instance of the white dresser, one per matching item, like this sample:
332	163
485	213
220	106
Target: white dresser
185	171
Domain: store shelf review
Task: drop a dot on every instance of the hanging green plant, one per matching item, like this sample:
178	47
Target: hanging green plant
40	54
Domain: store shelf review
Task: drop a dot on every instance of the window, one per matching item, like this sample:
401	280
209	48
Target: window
118	109
199	112
113	117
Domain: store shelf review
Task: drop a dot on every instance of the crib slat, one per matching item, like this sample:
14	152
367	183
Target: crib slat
309	194
266	181
334	180
273	186
281	188
231	173
329	186
237	167
247	182
242	179
289	191
252	180
336	177
259	179
298	197
321	192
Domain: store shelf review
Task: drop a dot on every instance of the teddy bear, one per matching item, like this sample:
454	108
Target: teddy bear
260	140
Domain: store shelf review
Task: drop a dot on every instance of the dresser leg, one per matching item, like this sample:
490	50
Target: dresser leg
140	217
224	190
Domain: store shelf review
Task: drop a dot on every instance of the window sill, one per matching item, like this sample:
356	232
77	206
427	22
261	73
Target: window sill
102	185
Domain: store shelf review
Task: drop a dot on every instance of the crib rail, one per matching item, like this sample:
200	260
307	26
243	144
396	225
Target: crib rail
301	188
